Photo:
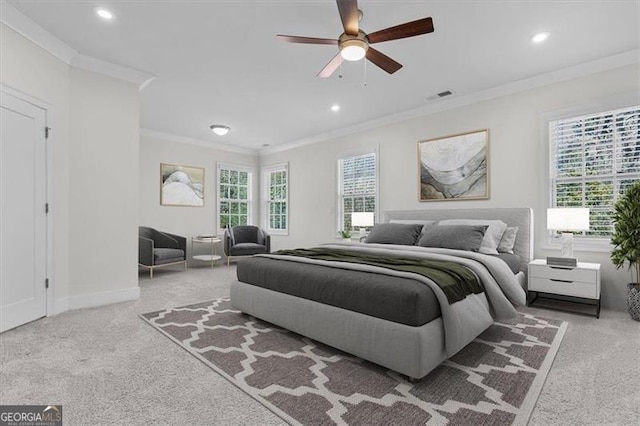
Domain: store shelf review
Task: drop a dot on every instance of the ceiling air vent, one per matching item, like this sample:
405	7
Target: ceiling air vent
440	95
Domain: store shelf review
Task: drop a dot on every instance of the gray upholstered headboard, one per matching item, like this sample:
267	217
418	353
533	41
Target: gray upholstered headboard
522	217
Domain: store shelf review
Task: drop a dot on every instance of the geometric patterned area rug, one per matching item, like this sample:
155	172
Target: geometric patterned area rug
495	380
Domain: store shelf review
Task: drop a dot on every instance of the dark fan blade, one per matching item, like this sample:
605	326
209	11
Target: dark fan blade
333	65
382	60
349	15
306	40
410	29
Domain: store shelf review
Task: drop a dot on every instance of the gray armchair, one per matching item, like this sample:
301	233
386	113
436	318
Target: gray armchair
245	240
156	249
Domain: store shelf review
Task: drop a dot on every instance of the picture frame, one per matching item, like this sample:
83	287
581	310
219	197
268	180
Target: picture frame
454	167
181	185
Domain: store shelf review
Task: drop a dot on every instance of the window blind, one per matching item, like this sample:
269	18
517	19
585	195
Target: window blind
594	159
358	187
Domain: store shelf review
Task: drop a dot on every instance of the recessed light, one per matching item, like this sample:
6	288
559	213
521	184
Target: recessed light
219	129
540	37
335	108
105	14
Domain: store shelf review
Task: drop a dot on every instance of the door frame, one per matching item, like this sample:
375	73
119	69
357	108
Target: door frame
49	235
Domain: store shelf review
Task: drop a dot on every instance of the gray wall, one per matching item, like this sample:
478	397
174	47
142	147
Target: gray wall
518	163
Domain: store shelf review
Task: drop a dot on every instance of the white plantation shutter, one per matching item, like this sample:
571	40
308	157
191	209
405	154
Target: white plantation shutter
594	159
357	187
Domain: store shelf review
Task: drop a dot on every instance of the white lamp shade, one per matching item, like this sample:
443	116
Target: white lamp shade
361	219
568	219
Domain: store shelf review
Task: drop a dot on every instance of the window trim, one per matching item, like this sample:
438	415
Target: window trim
250	178
265	171
339	195
625	100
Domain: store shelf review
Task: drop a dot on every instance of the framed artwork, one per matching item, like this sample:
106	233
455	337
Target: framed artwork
454	167
181	185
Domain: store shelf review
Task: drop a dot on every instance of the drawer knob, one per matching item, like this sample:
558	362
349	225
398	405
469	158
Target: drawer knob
561	281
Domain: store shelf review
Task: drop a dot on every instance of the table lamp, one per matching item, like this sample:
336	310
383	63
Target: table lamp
566	220
362	220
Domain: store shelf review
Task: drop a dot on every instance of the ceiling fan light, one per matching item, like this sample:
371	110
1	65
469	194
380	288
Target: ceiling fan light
219	129
353	50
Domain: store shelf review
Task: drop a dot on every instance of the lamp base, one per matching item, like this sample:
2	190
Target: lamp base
568	262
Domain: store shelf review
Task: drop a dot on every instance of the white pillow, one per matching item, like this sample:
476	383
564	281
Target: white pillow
492	236
508	240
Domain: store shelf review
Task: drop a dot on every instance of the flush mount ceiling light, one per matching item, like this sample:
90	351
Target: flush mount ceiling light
540	37
219	129
105	14
335	108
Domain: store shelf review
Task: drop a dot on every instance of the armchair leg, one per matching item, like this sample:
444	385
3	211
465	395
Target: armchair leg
150	272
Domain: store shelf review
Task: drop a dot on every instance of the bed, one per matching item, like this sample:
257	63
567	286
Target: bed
404	321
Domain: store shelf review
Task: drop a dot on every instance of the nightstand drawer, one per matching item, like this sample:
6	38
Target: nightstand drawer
566	287
566	274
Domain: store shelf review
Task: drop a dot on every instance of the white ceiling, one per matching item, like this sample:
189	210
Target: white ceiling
219	62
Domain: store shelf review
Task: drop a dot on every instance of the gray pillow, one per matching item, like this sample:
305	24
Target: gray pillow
491	237
424	223
395	233
458	237
508	240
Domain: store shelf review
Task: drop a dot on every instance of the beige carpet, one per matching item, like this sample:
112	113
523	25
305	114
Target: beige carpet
107	367
495	380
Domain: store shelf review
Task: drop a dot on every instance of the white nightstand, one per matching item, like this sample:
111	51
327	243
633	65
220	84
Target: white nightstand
582	282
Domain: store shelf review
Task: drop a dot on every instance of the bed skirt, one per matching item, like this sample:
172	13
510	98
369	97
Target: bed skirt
413	351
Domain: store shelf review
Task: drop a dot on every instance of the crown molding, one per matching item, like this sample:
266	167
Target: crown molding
23	25
20	23
197	142
89	63
581	70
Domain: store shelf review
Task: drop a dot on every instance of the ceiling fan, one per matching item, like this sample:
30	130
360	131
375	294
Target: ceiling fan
355	44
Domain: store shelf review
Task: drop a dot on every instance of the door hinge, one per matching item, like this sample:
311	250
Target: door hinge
46	208
46	132
46	283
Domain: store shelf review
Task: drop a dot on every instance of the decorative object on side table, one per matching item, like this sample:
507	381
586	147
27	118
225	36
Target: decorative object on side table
362	220
345	234
577	286
567	220
626	242
454	167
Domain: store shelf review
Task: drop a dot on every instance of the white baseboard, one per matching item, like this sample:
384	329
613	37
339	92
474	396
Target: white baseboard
91	300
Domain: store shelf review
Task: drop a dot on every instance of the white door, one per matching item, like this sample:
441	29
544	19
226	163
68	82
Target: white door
23	244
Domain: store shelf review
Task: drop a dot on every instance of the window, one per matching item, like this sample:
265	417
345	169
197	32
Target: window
594	159
357	187
275	190
234	195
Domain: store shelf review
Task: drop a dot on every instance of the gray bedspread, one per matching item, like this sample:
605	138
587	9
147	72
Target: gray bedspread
398	299
463	320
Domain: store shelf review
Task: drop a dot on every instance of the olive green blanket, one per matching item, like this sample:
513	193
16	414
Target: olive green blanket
456	281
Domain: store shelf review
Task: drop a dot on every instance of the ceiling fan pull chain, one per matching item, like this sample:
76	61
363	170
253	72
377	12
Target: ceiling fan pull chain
365	73
340	71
